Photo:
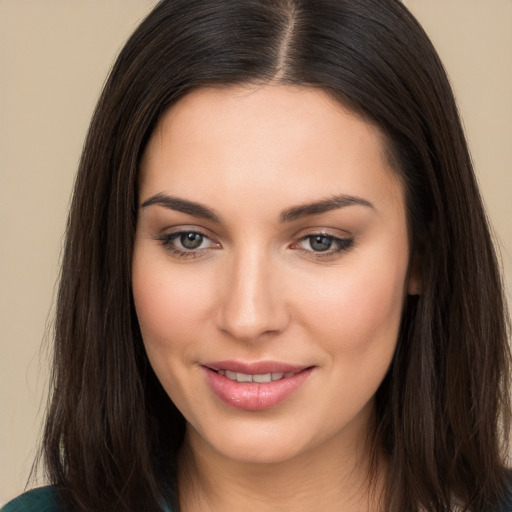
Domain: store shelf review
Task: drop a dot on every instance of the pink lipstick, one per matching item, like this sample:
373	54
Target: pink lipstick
254	386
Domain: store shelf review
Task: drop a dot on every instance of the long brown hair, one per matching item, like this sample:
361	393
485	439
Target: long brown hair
112	433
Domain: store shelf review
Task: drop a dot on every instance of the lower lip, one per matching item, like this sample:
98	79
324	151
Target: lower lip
253	396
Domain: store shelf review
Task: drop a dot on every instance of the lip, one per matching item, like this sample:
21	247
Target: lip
252	396
255	368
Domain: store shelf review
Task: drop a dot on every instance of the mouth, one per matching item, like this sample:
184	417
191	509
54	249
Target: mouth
254	386
260	377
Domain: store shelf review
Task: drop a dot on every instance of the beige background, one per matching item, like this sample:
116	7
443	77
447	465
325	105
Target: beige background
54	56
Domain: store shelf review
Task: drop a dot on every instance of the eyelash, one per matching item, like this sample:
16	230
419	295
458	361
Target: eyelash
167	242
341	244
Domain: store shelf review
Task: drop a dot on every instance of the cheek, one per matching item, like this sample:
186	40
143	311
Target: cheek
172	311
359	307
168	304
170	314
355	319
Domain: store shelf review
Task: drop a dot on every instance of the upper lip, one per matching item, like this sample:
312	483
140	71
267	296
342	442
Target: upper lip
255	368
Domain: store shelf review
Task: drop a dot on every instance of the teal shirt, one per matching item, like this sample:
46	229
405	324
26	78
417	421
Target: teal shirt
42	499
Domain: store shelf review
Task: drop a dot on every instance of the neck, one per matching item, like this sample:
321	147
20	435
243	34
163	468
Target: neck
337	476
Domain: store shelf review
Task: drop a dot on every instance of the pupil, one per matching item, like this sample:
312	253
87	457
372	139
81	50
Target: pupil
320	243
191	240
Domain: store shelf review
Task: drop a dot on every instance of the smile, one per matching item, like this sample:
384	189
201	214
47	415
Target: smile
260	378
254	386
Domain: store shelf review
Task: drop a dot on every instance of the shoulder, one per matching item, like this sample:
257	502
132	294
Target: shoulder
506	507
42	499
507	503
46	499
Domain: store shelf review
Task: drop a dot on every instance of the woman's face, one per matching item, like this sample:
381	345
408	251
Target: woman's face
270	268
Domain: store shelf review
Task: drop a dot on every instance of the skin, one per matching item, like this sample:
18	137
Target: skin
256	289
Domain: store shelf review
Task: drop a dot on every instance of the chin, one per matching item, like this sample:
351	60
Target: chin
250	442
260	453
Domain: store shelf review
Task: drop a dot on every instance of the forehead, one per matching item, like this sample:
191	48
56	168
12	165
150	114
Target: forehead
296	142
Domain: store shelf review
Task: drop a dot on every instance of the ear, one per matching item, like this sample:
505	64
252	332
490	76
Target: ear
415	278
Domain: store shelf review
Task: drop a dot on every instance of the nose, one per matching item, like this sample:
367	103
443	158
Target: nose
252	301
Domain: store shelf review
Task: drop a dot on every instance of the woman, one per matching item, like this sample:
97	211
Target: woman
278	290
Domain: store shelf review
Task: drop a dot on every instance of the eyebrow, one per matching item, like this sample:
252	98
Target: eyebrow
182	205
288	215
325	205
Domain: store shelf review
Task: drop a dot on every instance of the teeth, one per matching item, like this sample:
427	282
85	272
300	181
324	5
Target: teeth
243	377
261	378
266	377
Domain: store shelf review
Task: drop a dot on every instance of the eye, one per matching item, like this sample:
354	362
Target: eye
323	244
187	243
320	243
191	240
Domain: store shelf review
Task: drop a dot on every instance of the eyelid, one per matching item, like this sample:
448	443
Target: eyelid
342	240
332	232
185	228
169	235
